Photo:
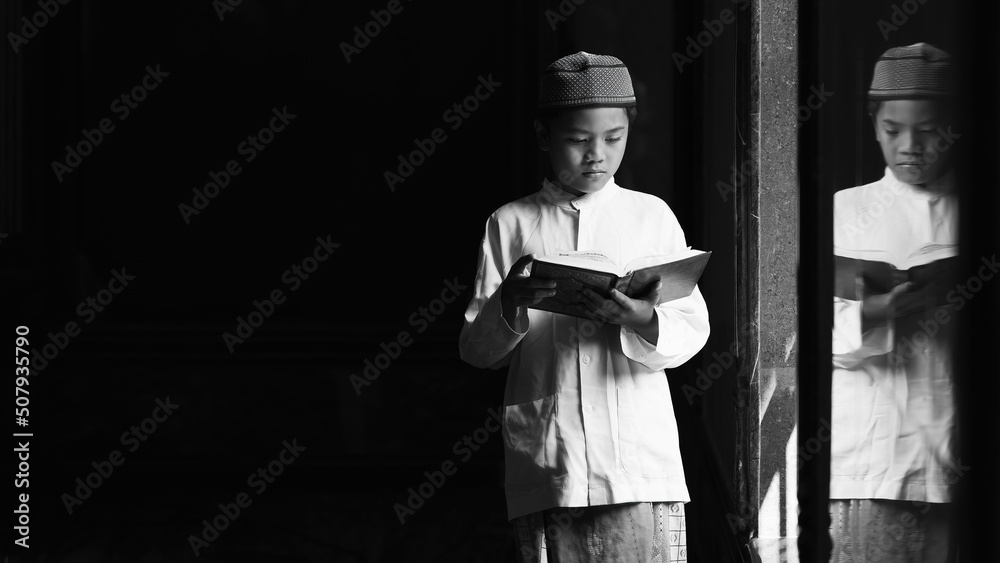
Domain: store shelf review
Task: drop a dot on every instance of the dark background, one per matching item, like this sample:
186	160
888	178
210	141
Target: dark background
323	176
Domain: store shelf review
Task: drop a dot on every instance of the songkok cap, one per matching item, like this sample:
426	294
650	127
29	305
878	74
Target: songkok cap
584	80
915	71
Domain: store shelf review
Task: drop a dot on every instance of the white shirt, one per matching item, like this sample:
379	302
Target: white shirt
588	418
892	385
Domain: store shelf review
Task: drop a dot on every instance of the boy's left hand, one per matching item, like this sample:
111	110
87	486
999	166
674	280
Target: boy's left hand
622	310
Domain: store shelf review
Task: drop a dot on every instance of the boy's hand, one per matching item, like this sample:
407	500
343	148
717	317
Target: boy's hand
521	290
638	313
878	309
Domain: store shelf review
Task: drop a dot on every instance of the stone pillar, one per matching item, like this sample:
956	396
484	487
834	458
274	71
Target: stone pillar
767	235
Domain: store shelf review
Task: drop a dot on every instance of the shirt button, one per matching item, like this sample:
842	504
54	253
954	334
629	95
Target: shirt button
586	359
587	409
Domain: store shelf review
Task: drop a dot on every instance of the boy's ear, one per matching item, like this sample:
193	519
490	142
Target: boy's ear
542	135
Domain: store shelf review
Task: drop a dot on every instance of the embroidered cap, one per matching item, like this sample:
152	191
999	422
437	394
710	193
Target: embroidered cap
915	71
585	80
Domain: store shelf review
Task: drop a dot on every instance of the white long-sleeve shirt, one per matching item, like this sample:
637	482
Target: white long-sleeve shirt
588	418
892	404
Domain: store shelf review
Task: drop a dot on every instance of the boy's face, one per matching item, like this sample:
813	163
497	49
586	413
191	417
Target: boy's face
910	134
585	147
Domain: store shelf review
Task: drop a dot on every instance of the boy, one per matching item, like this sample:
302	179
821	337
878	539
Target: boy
892	458
593	468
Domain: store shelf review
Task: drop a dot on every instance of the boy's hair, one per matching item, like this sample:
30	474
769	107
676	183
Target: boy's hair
546	115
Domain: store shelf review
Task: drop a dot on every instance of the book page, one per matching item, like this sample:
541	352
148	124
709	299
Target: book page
929	253
582	259
646	261
924	255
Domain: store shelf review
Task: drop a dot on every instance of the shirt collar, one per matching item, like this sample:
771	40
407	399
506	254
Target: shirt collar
561	198
917	192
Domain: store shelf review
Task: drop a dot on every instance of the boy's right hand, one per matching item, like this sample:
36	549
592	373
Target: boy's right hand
878	309
521	290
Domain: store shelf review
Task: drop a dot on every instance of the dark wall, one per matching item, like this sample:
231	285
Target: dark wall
396	250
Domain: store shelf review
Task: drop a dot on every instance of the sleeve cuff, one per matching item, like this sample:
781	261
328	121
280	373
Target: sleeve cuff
635	347
520	327
850	344
672	346
494	308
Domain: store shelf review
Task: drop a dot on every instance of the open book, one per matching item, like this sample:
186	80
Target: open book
931	268
574	271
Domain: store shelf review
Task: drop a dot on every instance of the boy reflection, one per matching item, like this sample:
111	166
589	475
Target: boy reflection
892	455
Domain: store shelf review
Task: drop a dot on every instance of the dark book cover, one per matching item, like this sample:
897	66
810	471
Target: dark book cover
856	278
679	279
